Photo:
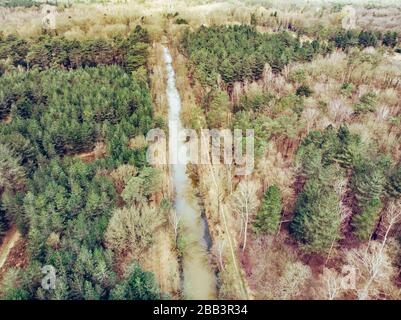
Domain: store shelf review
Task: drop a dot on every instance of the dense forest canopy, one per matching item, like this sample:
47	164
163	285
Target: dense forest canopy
240	52
66	112
324	156
47	51
71	95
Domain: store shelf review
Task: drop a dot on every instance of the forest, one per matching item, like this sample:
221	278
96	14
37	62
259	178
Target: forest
70	97
238	54
337	186
320	85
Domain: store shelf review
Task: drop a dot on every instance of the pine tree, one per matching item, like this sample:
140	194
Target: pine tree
12	175
311	159
317	216
329	145
365	221
367	39
268	218
12	206
367	182
2	68
39	56
393	185
18	144
344	39
390	39
304	91
227	71
137	285
3	221
347	147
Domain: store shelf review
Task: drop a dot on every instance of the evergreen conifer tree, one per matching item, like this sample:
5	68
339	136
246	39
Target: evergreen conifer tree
365	221
268	218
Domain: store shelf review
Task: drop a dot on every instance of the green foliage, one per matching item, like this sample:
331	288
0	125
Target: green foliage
393	184
367	103
59	112
8	286
2	70
328	147
145	184
298	76
311	159
46	51
260	124
20	145
344	39
268	217
347	89
171	15
239	53
218	110
14	210
254	21
365	222
80	202
368	180
18	3
12	175
317	214
84	274
317	154
367	39
304	91
348	148
289	103
71	95
255	101
181	21
390	39
308	50
3	221
70	237
137	285
369	98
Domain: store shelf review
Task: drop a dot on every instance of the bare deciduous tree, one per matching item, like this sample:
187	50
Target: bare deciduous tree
132	228
292	281
174	219
331	283
391	217
373	262
373	265
245	203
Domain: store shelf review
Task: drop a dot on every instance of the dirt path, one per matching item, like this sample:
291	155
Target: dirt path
10	239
